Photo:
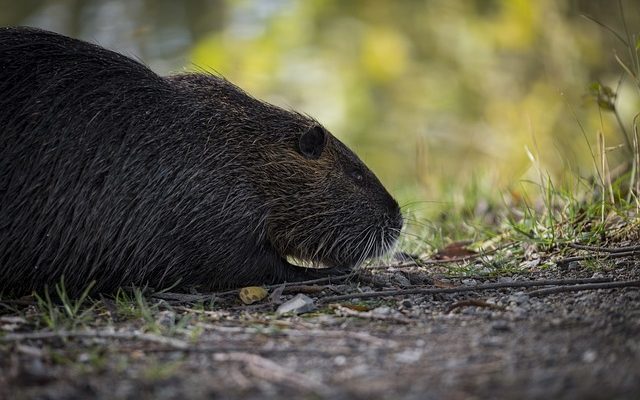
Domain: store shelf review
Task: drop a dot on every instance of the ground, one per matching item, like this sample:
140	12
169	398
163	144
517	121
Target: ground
510	342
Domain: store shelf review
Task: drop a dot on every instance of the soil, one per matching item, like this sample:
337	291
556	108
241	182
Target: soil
501	343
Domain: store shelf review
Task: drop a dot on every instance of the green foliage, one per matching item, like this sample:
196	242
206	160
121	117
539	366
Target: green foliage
134	305
465	86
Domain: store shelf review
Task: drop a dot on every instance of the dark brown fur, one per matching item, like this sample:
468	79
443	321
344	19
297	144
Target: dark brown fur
113	174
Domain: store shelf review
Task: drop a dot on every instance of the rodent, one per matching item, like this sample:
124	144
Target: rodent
113	174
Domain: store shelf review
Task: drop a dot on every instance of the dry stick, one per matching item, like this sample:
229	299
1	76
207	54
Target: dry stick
307	289
605	249
92	334
18	302
327	279
182	297
588	286
604	257
487	286
418	262
213	295
309	282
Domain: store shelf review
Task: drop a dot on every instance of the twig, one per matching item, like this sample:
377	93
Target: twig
18	302
588	286
307	289
605	249
460	289
421	263
183	297
418	262
603	257
452	260
92	334
476	277
473	303
327	279
191	298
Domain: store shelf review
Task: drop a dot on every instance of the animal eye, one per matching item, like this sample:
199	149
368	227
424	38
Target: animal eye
357	175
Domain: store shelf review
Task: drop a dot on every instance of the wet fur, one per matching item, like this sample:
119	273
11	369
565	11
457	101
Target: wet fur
113	174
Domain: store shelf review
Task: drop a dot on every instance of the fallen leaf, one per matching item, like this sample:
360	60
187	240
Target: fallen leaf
454	250
252	294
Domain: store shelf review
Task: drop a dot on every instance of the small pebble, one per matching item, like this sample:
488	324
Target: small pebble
589	356
382	311
166	319
573	265
300	304
409	356
340	360
500	326
518	312
518	298
406	303
401	279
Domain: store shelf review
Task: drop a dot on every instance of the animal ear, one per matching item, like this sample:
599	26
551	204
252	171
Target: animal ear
312	142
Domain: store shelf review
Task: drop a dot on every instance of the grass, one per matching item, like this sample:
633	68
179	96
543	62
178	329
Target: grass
66	312
541	213
58	311
522	229
530	228
135	306
527	226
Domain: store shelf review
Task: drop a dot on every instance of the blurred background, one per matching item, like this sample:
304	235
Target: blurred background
433	95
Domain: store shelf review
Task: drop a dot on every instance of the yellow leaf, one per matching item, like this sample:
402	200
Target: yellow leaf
252	294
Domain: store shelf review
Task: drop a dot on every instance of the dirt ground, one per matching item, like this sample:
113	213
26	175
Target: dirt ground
499	343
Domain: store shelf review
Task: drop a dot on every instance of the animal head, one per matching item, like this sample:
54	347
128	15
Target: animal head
324	205
319	202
